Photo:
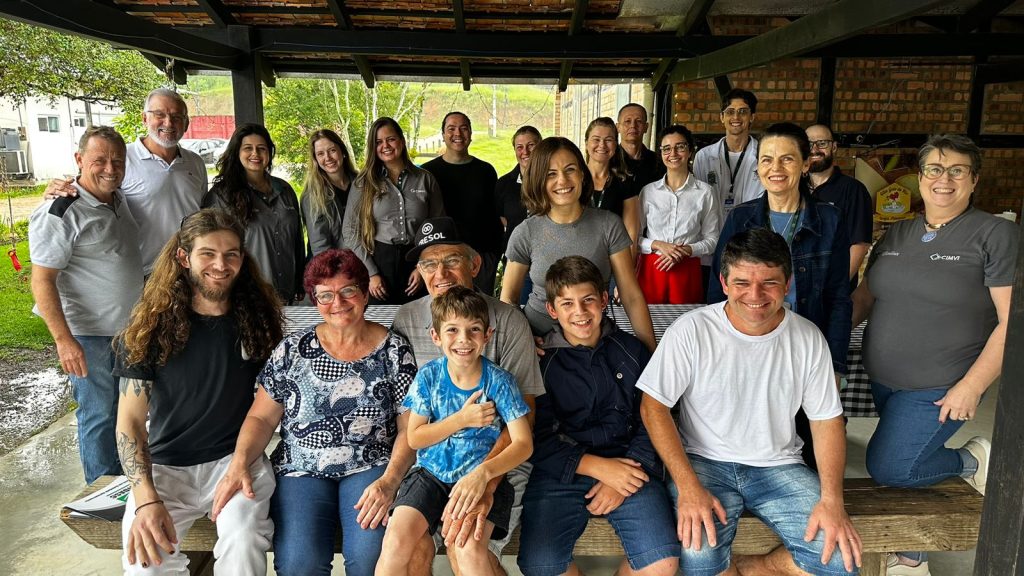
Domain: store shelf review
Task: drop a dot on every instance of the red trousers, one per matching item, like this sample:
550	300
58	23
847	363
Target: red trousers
681	284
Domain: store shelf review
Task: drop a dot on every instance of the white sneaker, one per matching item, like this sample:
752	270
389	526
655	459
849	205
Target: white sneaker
894	568
981	449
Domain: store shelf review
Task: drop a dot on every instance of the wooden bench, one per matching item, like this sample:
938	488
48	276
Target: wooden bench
941	517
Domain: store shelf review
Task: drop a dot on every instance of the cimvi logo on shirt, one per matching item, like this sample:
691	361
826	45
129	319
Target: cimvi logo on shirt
944	257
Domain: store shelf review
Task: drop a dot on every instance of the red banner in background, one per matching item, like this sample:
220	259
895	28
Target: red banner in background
201	127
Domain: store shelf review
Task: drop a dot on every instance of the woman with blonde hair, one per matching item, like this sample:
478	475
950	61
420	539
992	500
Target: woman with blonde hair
329	174
390	199
615	189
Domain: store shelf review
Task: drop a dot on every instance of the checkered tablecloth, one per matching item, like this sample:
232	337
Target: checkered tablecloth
856	396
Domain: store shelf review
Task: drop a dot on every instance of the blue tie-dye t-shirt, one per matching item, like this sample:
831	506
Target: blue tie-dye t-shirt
434	395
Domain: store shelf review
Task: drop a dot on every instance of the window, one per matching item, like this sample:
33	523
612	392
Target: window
79	122
49	124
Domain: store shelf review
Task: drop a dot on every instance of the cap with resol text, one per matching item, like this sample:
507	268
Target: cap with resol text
433	231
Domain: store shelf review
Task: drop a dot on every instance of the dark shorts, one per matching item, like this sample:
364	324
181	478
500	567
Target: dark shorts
423	491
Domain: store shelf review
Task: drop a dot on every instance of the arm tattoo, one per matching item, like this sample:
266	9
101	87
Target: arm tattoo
135	459
137	386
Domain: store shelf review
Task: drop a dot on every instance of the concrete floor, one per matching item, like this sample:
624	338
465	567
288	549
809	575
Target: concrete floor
42	474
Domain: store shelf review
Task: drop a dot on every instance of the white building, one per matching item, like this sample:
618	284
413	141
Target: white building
47	134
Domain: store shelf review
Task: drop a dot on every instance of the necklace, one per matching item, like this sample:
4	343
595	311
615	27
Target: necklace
932	230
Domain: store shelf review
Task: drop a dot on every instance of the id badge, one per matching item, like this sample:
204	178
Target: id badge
729	201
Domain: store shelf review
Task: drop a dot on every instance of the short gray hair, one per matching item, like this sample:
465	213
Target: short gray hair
166	93
955	143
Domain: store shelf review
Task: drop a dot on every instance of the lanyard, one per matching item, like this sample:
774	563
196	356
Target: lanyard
733	171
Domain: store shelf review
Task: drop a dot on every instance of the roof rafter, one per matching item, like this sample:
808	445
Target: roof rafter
579	16
838	22
982	12
344	20
697	15
220	15
458	10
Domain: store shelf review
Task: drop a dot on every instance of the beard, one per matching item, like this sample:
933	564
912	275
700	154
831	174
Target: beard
163	142
208	292
821	165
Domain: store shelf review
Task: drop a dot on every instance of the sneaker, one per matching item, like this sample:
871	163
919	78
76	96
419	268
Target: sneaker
980	448
894	568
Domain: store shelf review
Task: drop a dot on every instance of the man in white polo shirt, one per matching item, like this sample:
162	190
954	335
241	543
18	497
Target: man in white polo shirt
86	276
163	182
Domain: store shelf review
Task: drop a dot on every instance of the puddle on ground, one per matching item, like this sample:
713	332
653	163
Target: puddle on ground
30	403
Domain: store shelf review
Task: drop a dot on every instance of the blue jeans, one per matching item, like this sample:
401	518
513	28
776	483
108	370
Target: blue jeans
96	395
306	513
783	497
555	515
908	446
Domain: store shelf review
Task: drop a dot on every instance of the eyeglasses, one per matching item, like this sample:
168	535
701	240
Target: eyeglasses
346	293
450	261
741	112
935	171
161	115
821	144
678	148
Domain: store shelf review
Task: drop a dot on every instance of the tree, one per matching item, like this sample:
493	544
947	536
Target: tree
296	108
41	63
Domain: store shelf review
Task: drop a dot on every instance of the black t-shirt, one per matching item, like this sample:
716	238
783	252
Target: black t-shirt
615	194
201	396
509	202
853	201
647	168
468	192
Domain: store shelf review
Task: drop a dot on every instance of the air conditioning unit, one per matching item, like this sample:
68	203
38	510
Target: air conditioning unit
14	164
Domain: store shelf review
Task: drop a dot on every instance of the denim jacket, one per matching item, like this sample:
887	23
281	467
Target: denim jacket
591	404
821	267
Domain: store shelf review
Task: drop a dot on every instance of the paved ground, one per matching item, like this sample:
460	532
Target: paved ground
42	474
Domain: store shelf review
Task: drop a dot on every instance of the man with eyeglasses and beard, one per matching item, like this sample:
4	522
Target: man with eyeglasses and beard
163	182
444	260
829	184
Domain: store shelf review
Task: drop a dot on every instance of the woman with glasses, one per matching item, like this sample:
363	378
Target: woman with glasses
937	296
389	201
679	219
329	174
336	389
266	205
819	289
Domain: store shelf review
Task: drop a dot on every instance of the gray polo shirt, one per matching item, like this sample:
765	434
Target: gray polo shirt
161	194
96	248
511	346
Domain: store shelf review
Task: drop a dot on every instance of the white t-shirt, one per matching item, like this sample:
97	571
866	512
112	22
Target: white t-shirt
739	394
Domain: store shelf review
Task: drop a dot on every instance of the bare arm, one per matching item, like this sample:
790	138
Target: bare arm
631	219
257	429
374	503
512	282
961	401
152	529
830	514
863	302
632	298
423	433
696	507
857	254
471	487
44	291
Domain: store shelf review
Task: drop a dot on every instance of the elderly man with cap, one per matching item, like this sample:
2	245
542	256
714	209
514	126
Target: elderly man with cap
444	260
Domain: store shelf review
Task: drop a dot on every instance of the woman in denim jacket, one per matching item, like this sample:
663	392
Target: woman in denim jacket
820	246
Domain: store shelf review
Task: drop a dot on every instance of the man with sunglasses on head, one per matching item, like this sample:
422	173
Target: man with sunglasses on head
730	165
829	184
163	182
444	260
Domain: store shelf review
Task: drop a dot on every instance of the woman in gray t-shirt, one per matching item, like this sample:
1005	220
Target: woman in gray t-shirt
556	190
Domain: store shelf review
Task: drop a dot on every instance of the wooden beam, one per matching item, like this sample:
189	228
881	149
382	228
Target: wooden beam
836	22
976	104
1000	72
344	20
826	90
247	90
458	12
579	16
722	85
220	15
981	13
696	17
110	25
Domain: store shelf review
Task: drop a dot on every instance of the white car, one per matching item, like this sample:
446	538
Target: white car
209	149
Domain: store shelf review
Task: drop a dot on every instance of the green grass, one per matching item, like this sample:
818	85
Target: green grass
19	327
15	191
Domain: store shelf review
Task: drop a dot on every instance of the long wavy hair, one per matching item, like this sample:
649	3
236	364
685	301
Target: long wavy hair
318	185
231	184
159	325
372	179
617	166
534	190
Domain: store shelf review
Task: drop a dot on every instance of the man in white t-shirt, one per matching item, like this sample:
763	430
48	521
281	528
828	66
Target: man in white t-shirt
740	370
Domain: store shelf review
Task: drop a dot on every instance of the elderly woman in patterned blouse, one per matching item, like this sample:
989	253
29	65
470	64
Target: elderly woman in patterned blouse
336	389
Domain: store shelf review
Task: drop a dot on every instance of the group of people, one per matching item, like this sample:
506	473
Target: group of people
468	417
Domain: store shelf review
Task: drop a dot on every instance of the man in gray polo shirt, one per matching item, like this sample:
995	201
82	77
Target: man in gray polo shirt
163	182
86	276
445	261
